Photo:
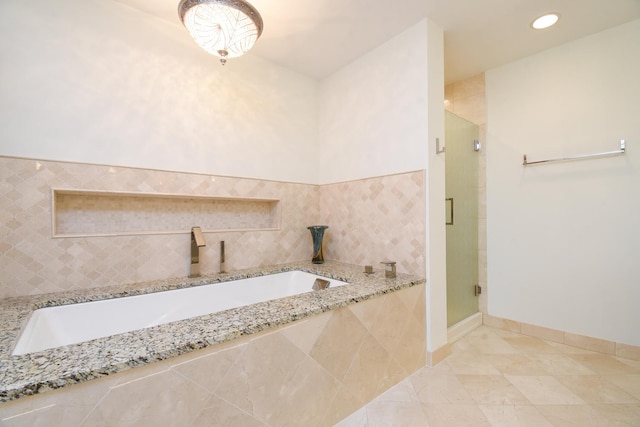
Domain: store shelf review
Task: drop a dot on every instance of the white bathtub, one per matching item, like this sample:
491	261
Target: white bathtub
70	324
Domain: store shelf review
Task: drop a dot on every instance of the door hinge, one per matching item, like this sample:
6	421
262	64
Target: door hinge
477	290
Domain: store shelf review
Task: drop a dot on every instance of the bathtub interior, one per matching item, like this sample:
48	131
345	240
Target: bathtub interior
57	326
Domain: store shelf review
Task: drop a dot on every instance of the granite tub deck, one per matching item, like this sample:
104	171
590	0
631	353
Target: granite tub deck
55	368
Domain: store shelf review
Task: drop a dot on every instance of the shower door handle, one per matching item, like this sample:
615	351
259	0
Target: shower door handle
450	220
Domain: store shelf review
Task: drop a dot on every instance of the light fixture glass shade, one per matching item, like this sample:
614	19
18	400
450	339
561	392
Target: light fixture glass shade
225	28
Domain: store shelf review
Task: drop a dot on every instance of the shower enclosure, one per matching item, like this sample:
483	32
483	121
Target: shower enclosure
461	174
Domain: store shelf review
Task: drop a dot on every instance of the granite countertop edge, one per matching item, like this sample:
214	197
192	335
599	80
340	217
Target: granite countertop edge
37	372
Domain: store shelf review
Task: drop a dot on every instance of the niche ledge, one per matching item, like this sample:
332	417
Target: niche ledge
83	213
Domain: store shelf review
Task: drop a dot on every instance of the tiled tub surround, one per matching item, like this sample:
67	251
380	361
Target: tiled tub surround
319	355
379	218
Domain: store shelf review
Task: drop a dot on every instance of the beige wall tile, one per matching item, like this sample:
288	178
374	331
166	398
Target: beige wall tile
304	333
339	342
165	398
343	405
367	311
368	370
218	412
310	391
34	263
208	371
255	380
67	407
410	352
378	219
390	325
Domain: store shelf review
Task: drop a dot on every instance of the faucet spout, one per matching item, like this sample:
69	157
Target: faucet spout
197	242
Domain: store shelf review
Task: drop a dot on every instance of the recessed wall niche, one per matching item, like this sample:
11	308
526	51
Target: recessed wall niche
104	213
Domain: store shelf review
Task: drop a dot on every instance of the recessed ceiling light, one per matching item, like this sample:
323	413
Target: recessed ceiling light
545	21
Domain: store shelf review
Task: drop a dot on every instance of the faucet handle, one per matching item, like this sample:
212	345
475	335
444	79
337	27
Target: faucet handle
197	236
389	269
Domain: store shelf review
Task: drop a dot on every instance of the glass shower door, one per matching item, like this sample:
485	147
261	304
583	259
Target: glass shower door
461	174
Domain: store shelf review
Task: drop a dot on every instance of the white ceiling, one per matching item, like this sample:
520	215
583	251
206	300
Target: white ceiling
318	37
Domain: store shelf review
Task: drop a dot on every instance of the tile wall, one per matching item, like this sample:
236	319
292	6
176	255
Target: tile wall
370	220
313	372
467	99
377	219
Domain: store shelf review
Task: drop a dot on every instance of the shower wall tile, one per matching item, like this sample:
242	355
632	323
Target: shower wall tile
278	377
370	220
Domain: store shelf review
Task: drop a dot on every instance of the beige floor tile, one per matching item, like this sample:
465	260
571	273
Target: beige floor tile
514	416
516	364
461	346
441	389
444	415
556	385
401	392
596	389
544	390
471	364
572	415
568	349
531	345
492	344
386	414
629	383
619	414
633	363
606	365
492	390
357	419
560	364
442	368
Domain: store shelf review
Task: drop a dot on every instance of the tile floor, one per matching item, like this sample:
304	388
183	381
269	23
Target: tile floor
499	378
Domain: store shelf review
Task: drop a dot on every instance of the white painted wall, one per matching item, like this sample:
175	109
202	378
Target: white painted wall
436	228
564	238
94	81
373	112
374	119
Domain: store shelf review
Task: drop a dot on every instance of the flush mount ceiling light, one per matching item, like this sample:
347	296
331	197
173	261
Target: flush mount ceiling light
545	21
225	28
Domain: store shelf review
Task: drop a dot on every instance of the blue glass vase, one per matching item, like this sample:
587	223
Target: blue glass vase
317	233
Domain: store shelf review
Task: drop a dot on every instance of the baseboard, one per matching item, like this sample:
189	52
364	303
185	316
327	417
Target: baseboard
463	327
588	343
